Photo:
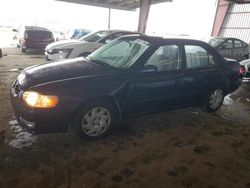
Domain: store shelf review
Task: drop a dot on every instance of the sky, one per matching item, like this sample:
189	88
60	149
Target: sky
189	17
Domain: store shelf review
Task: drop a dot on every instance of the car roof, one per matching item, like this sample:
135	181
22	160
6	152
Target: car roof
161	39
225	38
118	31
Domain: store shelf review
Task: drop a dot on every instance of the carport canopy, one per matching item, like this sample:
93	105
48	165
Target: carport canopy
129	5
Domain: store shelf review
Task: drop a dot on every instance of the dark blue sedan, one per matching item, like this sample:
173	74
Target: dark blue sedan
129	76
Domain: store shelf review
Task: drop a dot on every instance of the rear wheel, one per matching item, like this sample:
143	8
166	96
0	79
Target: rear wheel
214	100
94	120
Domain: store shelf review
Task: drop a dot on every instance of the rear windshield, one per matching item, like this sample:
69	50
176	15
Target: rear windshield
39	34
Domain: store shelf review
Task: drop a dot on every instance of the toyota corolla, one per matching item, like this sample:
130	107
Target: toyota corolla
129	76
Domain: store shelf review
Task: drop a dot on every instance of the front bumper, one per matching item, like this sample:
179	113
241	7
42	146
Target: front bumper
40	120
246	77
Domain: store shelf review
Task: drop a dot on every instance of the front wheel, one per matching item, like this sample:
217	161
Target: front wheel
23	50
214	100
94	121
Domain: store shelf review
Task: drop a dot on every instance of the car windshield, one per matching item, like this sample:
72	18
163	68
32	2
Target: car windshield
121	53
216	42
93	37
78	33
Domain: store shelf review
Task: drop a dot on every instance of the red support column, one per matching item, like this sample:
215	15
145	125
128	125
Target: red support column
144	10
220	16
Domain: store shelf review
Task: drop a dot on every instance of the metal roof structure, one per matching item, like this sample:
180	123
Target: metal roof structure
144	6
239	1
232	19
115	4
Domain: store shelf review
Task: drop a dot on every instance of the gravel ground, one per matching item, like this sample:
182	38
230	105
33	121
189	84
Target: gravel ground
180	148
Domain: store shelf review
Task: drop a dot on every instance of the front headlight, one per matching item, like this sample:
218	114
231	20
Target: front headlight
60	53
37	100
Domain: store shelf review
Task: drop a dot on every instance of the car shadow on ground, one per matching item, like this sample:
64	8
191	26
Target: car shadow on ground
33	52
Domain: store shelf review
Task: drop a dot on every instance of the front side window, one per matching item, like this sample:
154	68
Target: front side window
198	57
121	53
165	58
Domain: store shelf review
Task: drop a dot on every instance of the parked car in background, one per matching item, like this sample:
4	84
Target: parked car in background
245	70
69	49
230	47
129	76
76	33
34	37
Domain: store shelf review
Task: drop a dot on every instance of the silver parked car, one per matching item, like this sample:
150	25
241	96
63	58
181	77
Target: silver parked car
84	46
245	70
230	47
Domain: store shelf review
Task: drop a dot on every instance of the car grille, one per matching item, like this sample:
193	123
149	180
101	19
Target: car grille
16	88
248	69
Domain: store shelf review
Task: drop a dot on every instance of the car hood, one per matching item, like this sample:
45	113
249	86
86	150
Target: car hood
64	44
78	68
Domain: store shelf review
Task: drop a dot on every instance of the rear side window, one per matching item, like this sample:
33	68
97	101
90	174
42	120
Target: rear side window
198	57
239	44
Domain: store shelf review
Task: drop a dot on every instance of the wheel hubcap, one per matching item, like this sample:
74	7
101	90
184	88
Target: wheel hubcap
216	99
96	121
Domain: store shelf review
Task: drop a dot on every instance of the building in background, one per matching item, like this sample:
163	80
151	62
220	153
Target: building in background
232	19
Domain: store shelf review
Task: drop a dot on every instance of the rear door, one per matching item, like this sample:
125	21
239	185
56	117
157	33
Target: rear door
203	71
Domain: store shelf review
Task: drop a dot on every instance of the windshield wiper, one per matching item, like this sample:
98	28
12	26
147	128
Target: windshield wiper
100	62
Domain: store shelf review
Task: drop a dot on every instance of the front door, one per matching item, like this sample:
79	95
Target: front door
160	83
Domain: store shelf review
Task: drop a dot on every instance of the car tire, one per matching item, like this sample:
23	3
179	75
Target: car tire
214	100
23	50
94	121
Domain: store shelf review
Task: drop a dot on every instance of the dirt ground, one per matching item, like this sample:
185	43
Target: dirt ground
181	148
